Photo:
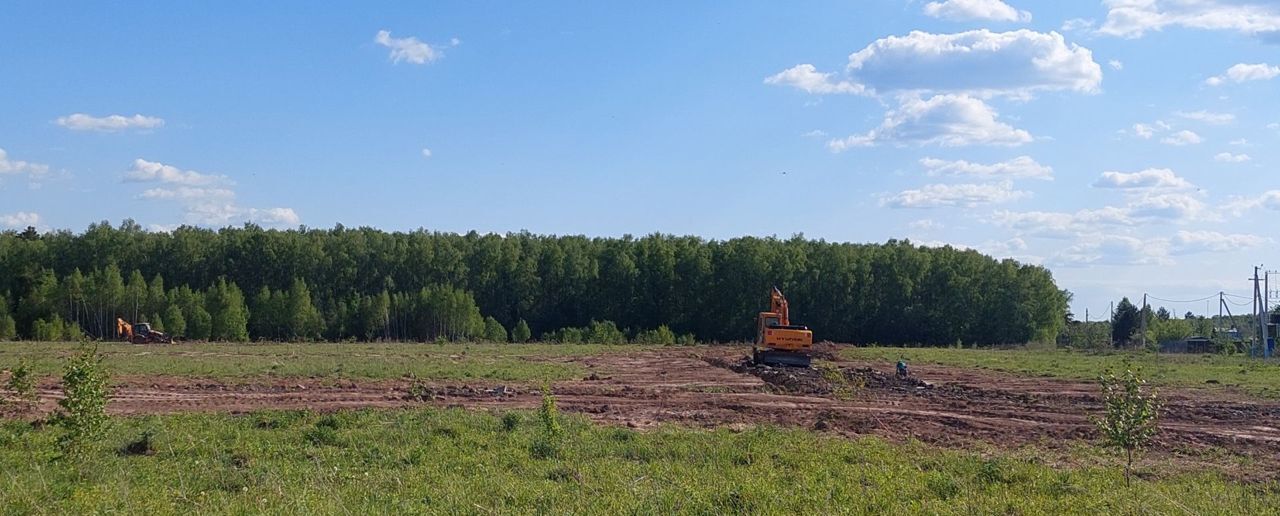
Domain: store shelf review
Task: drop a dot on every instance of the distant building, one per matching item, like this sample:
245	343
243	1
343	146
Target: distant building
1194	344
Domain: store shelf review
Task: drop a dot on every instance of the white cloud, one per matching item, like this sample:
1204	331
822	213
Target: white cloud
1152	178
1114	250
816	133
1016	168
205	199
12	166
1143	131
110	123
1243	142
1190	242
1134	18
408	49
1116	64
1269	200
978	62
19	220
1062	225
962	10
1182	138
1078	24
426	153
807	78
1168	207
925	225
946	120
187	193
1227	157
151	171
1208	117
1242	72
966	195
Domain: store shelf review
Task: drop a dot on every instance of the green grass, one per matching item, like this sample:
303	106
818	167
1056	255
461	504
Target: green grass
462	462
1253	376
232	362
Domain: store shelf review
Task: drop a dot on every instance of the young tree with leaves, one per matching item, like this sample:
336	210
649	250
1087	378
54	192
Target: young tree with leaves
1129	420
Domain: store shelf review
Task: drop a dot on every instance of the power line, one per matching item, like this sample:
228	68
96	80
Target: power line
1206	298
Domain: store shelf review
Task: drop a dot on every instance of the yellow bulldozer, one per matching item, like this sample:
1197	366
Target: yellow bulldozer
778	342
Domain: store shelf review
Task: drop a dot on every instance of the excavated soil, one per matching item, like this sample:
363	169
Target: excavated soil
714	387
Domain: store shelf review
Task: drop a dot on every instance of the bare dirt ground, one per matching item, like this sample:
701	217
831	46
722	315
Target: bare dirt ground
709	387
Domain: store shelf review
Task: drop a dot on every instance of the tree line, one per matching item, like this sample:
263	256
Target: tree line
367	284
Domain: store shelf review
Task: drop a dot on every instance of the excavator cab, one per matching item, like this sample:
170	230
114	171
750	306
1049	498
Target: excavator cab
778	342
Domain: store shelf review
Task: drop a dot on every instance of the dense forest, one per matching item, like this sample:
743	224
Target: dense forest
250	283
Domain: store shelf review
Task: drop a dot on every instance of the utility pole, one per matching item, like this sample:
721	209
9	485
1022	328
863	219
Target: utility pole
1142	315
1111	325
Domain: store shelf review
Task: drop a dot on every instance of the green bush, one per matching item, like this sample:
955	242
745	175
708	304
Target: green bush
83	415
1129	422
521	332
21	382
494	331
661	335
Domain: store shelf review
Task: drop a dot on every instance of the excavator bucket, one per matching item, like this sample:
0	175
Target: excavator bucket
781	358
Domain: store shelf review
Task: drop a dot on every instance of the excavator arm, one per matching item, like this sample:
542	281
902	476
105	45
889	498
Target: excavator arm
778	342
124	329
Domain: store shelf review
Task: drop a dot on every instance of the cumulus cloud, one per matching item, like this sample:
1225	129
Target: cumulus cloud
978	62
1061	224
1021	167
963	10
19	220
1208	117
410	49
13	166
1181	138
807	78
946	120
1269	200
1152	178
1143	131
965	195
152	171
426	153
1116	65
1242	72
1227	157
109	123
1191	242
1134	18
206	199
1168	207
1114	250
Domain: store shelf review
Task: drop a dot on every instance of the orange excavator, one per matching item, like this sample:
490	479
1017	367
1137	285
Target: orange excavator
778	342
140	333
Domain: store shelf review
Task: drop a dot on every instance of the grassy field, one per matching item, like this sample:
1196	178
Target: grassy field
462	462
230	362
1253	376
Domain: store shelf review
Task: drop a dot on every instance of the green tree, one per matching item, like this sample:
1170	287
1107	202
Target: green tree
157	323
521	332
1125	322
200	325
174	321
1129	421
494	331
304	320
229	313
8	327
84	402
661	335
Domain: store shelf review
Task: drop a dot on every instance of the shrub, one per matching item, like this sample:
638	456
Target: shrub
1129	422
686	340
521	332
143	445
21	382
83	415
494	331
661	335
548	414
510	421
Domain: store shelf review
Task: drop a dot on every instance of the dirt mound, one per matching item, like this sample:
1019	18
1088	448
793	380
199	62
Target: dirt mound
871	379
798	380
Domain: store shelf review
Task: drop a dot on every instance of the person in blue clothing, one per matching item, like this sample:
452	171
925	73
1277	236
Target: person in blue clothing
902	369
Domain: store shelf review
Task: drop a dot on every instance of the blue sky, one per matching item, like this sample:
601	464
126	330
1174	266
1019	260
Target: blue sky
1129	145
